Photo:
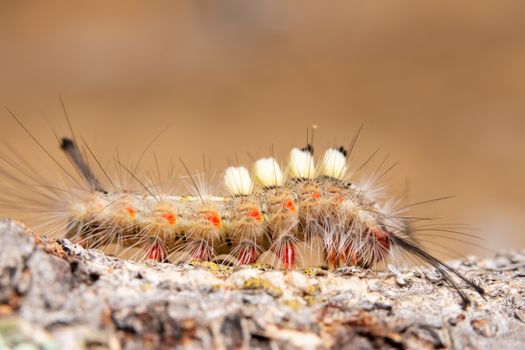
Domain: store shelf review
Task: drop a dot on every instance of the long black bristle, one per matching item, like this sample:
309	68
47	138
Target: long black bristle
75	156
441	266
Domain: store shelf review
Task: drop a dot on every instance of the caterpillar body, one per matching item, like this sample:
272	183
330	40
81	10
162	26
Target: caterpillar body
307	205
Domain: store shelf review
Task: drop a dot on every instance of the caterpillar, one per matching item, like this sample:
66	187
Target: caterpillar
307	205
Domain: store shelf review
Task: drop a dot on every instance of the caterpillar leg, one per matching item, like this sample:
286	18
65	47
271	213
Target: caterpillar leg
247	254
285	248
156	251
201	250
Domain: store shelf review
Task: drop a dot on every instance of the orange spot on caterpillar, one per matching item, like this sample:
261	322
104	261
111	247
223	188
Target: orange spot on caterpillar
255	214
131	212
289	204
215	219
316	195
169	217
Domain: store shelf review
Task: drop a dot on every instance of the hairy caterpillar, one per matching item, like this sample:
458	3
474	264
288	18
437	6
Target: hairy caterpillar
306	205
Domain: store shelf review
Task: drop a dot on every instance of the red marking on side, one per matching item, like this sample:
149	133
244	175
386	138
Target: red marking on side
215	219
332	259
202	252
381	236
316	195
169	217
289	204
287	255
342	259
255	214
131	212
248	255
353	260
156	252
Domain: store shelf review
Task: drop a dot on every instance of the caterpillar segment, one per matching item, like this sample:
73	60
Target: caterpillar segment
310	201
280	206
246	229
156	229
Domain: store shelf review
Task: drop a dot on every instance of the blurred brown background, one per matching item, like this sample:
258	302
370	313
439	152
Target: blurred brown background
438	85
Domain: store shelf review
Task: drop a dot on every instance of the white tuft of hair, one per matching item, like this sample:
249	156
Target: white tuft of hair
238	181
268	172
333	164
301	164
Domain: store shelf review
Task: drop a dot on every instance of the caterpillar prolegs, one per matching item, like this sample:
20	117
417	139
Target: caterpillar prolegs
274	211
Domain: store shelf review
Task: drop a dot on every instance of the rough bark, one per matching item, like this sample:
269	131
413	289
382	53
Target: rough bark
57	295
